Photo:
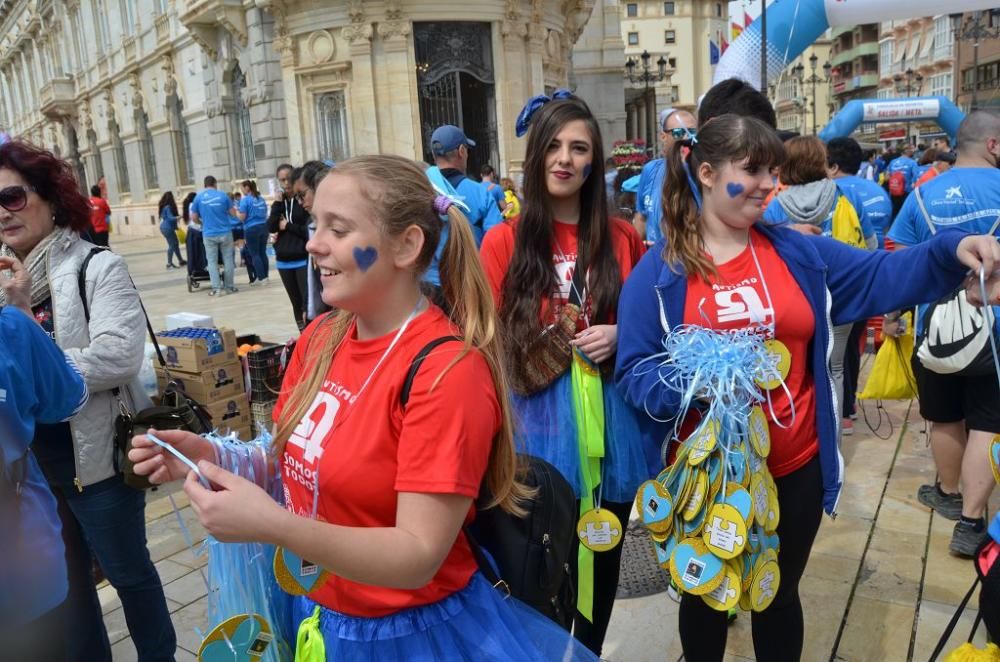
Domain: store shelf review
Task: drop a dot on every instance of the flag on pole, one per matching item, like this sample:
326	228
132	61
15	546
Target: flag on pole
713	53
737	30
725	44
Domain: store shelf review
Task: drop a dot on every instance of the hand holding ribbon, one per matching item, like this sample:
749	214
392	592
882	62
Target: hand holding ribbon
530	108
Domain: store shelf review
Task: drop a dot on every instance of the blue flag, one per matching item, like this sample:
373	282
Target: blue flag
713	53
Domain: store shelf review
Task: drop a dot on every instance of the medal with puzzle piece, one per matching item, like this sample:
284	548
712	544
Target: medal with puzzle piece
765	583
760	496
725	532
773	511
760	434
295	575
699	494
599	530
242	638
784	358
703	441
726	595
655	507
995	457
695	569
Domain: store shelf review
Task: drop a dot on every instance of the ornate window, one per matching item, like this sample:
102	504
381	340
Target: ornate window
331	126
103	27
246	163
668	8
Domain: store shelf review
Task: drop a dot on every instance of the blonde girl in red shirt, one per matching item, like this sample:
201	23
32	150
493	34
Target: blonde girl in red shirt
376	493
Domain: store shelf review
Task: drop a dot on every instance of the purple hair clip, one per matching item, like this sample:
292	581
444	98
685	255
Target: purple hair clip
441	204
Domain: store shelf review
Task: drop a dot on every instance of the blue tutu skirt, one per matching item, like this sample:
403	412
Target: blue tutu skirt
477	623
546	428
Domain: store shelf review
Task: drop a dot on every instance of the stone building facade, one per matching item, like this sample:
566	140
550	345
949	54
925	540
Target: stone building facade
152	95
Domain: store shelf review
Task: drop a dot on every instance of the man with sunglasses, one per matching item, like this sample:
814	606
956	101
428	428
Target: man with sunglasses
675	124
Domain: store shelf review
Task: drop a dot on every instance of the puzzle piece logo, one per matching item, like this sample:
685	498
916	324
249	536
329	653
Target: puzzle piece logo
723	593
723	534
766	589
599	534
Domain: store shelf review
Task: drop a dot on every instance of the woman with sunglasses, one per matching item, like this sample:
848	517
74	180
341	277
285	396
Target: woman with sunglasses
42	213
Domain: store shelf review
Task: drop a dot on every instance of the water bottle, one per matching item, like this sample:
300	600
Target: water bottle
213	340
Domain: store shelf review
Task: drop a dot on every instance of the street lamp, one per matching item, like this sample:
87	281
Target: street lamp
798	71
642	73
974	30
908	82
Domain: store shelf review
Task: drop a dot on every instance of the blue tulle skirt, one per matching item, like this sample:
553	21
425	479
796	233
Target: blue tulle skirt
476	623
546	428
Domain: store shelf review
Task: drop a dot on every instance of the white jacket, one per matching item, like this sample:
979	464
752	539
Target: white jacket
108	351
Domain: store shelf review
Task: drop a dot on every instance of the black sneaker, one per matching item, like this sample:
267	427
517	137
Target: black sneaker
948	506
965	540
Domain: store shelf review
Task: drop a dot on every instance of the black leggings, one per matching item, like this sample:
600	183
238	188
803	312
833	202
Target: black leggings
778	630
852	367
297	286
606	567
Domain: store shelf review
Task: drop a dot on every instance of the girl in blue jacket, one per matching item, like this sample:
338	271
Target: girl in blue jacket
718	267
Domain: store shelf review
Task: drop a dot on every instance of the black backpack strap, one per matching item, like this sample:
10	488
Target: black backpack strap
954	621
404	394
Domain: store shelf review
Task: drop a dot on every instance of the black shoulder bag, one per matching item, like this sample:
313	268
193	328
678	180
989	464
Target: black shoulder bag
177	411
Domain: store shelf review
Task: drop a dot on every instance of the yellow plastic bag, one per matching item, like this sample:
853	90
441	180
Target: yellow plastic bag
969	653
182	235
892	377
846	224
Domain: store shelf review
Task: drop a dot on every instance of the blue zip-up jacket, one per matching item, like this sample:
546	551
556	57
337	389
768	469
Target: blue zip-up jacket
841	283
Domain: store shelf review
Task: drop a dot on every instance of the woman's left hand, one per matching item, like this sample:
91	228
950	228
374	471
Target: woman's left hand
981	252
598	342
237	511
18	286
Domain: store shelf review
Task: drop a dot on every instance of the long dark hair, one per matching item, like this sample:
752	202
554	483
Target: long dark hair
167	200
721	140
188	199
531	277
252	185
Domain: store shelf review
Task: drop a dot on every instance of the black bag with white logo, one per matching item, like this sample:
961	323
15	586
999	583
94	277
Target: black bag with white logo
956	335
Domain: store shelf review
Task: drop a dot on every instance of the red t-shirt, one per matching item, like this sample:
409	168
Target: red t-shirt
439	444
99	212
732	301
498	249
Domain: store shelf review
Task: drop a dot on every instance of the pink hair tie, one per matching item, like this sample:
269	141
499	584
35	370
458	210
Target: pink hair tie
441	204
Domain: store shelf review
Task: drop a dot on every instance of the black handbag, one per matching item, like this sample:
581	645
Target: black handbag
177	411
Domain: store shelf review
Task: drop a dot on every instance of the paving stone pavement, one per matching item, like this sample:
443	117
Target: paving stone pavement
880	584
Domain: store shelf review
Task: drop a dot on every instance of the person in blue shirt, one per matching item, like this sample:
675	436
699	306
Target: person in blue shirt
252	211
962	410
168	228
868	198
838	285
450	147
675	125
905	165
488	178
38	384
214	209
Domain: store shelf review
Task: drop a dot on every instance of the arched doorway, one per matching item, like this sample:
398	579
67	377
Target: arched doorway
456	86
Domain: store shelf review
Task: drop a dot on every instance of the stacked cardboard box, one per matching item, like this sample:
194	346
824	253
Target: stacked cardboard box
208	370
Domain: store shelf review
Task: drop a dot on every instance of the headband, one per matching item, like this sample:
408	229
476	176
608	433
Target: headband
534	103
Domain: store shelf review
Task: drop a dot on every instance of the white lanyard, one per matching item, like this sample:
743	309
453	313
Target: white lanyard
289	208
354	400
773	326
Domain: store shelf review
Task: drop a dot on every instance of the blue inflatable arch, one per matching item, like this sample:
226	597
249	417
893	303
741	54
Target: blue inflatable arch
856	112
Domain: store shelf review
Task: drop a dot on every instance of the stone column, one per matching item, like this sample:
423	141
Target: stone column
401	115
364	128
265	95
640	106
513	90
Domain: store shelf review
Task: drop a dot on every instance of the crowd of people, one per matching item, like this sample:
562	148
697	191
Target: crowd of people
450	326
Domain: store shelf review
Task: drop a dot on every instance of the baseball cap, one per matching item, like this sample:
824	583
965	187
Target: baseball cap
448	138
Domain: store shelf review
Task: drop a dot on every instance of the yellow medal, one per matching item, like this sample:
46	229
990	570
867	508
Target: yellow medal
778	348
599	530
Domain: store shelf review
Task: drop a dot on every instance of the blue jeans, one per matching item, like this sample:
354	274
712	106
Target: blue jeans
213	245
256	238
108	520
173	246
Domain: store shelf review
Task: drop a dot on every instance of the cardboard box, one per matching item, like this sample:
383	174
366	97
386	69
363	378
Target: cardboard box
209	386
196	355
231	413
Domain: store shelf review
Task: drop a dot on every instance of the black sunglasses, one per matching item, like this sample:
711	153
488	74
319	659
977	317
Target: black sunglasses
15	198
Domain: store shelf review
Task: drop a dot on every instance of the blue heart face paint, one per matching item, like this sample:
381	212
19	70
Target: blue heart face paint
586	171
734	189
365	257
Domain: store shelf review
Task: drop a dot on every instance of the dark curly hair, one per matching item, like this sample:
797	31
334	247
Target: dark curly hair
53	180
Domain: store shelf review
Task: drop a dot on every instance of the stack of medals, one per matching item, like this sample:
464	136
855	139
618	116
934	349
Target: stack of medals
713	513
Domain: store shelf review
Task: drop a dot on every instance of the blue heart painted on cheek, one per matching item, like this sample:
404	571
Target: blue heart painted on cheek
365	257
734	189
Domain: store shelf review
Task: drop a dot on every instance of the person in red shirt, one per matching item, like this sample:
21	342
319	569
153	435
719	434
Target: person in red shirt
564	249
100	217
376	493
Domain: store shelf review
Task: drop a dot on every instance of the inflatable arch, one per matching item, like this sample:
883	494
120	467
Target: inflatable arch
947	114
792	25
